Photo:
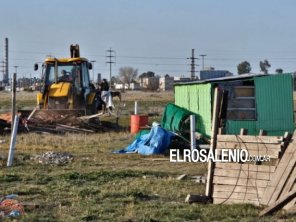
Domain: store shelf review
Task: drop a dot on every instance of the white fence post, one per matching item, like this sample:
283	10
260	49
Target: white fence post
136	107
192	132
12	141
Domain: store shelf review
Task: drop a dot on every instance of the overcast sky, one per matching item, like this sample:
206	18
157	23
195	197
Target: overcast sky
151	35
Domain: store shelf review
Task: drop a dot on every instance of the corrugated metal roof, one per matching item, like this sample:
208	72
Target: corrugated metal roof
222	79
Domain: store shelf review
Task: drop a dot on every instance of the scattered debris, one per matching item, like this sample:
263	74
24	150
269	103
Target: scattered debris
199	179
6	117
56	122
50	157
10	207
181	177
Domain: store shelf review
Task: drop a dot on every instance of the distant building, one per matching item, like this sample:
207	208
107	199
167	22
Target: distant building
150	83
133	86
212	74
166	83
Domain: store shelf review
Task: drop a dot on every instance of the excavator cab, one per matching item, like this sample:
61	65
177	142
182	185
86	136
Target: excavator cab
66	84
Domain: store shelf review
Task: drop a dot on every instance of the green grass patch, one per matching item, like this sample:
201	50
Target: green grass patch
101	186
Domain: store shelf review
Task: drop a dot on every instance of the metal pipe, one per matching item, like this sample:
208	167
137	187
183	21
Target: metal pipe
13	99
12	141
192	132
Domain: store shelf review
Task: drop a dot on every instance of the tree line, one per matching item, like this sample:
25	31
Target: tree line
245	67
128	74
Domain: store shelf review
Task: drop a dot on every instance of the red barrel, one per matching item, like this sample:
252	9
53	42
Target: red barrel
137	122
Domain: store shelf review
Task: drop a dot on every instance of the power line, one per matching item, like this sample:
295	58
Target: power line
149	57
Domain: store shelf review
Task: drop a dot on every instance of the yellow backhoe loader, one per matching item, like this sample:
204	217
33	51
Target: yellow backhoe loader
66	87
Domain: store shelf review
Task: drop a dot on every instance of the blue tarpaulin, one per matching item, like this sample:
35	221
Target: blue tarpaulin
155	142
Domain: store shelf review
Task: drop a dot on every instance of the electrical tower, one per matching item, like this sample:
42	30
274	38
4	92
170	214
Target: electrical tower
110	56
192	64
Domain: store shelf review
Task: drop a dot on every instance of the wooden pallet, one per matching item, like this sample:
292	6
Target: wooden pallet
245	182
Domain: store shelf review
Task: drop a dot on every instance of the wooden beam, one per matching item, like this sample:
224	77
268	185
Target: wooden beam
237	195
237	189
290	182
240	181
248	167
292	202
249	139
279	203
215	121
263	152
281	175
234	201
243	174
248	146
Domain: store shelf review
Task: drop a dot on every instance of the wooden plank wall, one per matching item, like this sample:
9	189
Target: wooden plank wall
245	182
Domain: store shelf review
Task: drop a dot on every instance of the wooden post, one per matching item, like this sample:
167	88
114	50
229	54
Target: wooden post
13	99
192	132
215	120
12	141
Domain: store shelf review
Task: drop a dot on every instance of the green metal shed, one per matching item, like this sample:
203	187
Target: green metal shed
254	102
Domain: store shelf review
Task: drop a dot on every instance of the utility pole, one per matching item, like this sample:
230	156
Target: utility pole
2	66
110	57
203	57
192	64
15	68
6	70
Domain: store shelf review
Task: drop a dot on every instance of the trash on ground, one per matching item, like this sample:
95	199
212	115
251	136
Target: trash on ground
50	157
11	207
155	142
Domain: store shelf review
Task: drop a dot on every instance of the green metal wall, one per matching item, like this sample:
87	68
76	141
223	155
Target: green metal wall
274	106
274	101
196	98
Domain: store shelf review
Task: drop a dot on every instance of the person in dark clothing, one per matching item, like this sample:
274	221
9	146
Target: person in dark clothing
100	104
104	85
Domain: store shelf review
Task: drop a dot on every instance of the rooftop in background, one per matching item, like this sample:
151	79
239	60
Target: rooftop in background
235	77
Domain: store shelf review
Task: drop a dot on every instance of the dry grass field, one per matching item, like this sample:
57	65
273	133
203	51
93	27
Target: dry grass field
101	186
